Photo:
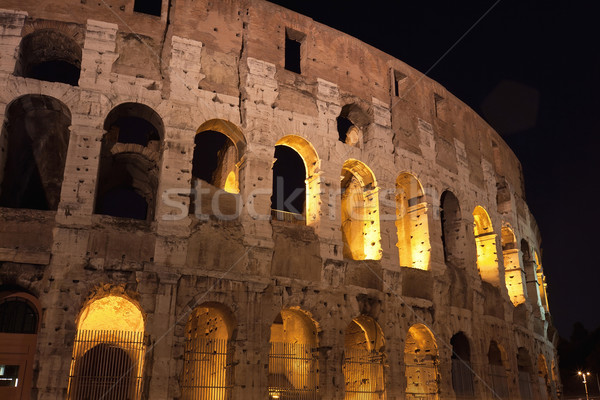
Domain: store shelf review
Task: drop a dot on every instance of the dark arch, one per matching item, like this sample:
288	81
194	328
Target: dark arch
49	55
128	171
496	359
451	226
106	371
350	123
37	134
526	250
525	370
289	174
125	115
17	315
462	374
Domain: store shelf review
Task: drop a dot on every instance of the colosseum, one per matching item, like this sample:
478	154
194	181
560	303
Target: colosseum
218	200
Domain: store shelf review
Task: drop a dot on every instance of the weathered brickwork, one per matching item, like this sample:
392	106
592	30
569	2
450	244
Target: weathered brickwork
441	260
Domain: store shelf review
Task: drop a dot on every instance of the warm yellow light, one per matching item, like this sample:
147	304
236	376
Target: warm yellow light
231	183
485	241
311	163
113	313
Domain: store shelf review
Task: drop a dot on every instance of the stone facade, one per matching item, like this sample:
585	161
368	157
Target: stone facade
443	260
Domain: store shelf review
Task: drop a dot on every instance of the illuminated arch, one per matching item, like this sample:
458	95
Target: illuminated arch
110	334
308	202
541	280
412	225
364	359
207	358
421	359
360	212
498	367
36	139
219	147
514	274
129	160
485	243
293	358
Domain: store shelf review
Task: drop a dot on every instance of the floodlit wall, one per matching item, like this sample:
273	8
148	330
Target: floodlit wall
394	167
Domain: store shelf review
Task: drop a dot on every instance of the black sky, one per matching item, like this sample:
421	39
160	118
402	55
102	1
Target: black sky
532	70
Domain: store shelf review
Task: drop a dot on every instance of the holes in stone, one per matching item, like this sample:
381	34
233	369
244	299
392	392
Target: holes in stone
50	56
150	7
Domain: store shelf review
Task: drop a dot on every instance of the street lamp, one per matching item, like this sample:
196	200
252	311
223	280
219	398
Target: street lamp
583	376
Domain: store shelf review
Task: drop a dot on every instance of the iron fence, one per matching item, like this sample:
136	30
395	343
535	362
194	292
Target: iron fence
499	381
207	370
293	372
364	374
106	365
462	379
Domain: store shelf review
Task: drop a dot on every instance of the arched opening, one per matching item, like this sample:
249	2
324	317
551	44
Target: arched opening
295	196
497	360
36	139
219	146
19	321
452	230
421	361
544	383
412	224
530	266
208	354
525	369
541	281
350	124
51	56
360	212
364	360
293	358
485	243
108	351
462	372
514	275
129	158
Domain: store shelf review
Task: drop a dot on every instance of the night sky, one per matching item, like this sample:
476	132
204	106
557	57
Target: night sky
532	70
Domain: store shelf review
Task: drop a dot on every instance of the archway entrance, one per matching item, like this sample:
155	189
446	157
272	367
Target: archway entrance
364	360
19	316
421	360
108	351
293	359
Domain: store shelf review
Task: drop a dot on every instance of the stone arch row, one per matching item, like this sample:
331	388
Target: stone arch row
109	349
110	333
128	178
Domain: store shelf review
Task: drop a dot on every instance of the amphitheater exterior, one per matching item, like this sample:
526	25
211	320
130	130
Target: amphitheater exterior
228	200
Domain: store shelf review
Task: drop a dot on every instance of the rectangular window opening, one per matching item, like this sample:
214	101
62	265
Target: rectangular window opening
293	48
398	80
150	7
441	107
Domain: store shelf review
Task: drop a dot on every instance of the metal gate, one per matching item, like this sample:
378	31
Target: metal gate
462	379
525	385
293	372
207	369
364	375
499	381
106	365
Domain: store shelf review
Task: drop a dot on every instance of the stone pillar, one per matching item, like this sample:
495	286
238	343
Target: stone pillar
514	276
98	56
11	27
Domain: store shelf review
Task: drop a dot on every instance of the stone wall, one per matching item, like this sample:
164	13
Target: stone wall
202	61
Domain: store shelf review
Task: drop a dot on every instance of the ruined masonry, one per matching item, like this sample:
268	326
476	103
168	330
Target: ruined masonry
228	200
